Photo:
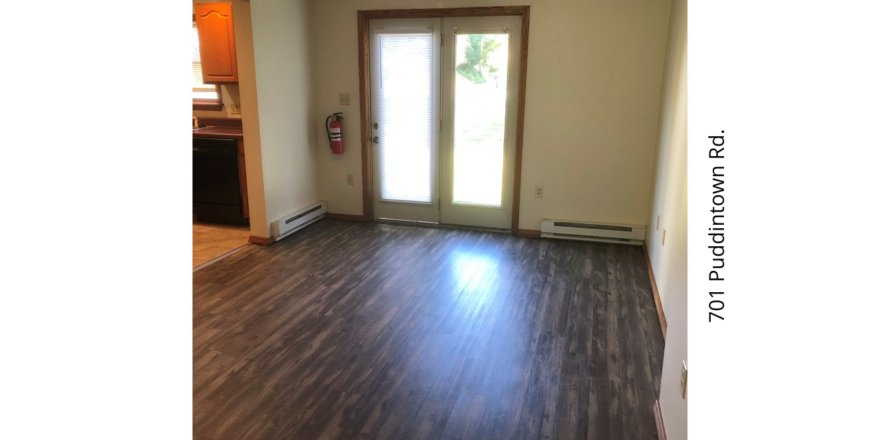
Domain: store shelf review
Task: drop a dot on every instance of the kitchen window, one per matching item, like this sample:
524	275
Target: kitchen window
205	96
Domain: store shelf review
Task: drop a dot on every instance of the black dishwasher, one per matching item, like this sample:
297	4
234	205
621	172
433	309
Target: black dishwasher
216	186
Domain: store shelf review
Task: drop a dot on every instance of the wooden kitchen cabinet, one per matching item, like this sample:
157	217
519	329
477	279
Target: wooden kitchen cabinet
216	42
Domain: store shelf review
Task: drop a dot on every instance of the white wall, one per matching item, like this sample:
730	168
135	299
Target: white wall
593	89
284	98
669	202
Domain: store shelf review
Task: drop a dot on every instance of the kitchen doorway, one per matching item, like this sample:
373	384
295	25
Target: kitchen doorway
442	114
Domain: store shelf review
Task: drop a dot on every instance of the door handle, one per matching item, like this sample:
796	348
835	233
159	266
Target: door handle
376	125
375	139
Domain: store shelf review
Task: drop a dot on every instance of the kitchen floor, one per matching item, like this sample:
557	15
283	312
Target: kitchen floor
211	241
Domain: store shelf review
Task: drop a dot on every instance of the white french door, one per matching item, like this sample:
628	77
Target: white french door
444	119
405	89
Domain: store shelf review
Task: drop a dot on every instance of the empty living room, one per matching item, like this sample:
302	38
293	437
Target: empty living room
466	221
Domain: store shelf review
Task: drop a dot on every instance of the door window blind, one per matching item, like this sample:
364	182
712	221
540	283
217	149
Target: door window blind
406	116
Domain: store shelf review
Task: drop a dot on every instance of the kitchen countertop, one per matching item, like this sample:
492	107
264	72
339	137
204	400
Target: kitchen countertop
218	132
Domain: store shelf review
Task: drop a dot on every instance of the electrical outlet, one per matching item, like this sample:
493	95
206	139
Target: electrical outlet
658	224
663	240
539	191
684	380
349	179
345	99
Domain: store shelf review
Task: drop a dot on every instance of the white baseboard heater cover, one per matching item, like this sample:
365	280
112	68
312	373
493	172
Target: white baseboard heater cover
593	231
298	220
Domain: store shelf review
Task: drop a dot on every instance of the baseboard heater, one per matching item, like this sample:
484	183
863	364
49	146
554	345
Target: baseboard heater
298	220
592	231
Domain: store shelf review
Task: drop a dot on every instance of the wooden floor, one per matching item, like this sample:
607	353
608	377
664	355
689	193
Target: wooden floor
368	331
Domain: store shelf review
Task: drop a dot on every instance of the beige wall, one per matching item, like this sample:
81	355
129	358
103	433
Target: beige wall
669	202
593	89
284	97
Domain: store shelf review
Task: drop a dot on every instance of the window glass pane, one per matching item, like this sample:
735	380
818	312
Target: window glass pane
201	91
406	116
479	118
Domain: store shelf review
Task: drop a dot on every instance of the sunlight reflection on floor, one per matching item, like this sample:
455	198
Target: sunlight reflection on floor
472	271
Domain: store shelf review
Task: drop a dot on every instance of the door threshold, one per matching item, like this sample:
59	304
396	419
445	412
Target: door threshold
432	225
400	220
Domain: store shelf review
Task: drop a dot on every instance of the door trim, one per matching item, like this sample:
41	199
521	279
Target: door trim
364	18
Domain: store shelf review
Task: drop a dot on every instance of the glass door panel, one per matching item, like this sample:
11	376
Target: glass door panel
480	84
406	115
479	96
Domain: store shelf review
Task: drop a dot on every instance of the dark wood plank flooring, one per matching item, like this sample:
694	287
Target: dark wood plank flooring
368	331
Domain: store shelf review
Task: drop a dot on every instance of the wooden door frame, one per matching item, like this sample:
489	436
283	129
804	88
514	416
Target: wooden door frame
364	18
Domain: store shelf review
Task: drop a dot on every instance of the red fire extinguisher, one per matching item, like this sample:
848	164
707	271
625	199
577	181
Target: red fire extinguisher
334	132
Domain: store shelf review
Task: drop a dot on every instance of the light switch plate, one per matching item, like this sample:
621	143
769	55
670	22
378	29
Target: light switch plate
345	99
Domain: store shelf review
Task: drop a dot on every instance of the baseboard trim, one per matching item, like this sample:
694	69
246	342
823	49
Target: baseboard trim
347	217
660	315
263	241
527	233
658	420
